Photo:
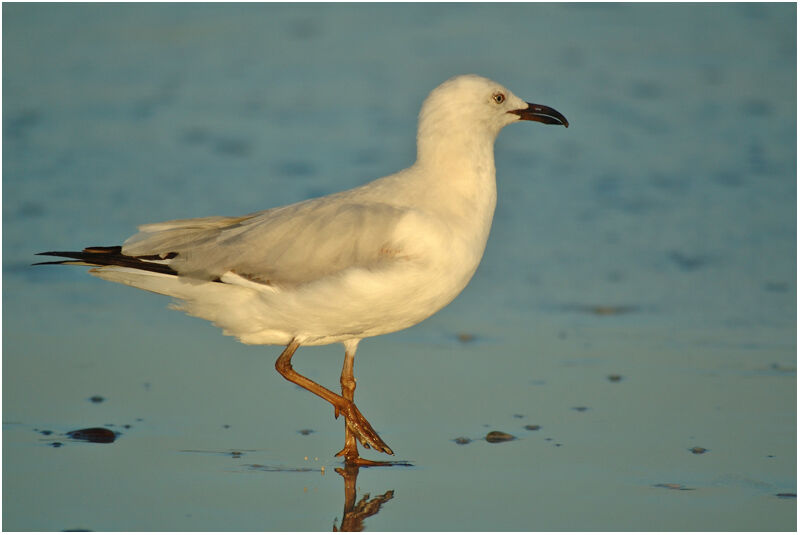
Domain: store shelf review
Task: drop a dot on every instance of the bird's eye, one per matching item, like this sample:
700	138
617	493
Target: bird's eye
499	98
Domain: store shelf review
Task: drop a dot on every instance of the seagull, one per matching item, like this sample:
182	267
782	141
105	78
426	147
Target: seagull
363	262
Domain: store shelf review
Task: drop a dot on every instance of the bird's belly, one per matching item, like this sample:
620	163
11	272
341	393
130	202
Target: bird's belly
360	303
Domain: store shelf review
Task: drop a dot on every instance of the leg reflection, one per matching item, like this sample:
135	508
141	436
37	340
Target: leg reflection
355	513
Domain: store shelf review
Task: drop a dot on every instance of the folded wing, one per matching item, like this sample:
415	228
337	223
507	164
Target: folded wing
280	247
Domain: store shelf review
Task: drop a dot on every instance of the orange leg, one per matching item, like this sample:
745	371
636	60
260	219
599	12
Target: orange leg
348	381
356	426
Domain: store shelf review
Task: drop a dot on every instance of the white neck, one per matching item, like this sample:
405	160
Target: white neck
462	163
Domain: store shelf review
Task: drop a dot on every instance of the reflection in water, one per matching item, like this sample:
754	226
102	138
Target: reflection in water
355	513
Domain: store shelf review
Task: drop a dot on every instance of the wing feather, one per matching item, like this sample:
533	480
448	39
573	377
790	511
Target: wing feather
282	247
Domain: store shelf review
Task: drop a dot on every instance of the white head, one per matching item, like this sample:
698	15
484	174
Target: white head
470	110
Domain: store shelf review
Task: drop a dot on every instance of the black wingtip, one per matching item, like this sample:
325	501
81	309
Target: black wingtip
98	249
110	256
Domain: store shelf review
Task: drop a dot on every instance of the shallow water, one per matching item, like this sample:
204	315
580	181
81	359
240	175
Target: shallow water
637	298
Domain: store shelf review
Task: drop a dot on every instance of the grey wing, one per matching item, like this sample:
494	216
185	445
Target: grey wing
281	247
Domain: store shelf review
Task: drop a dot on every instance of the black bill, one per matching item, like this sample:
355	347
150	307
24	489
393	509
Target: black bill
541	114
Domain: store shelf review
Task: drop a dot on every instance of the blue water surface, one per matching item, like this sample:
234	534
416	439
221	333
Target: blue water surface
637	298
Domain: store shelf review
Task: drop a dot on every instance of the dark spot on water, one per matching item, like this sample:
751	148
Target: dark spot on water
687	262
670	183
465	338
757	107
30	209
140	419
782	369
612	310
304	29
602	310
770	456
195	135
580	409
227	453
56	444
786	495
607	185
498	436
728	178
646	90
98	435
254	105
462	440
533	427
97	399
226	426
557	444
697	450
548	439
127	426
519	416
306	431
295	168
231	146
615	378
144	108
752	11
778	287
17	124
756	156
46	432
672	486
146	105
